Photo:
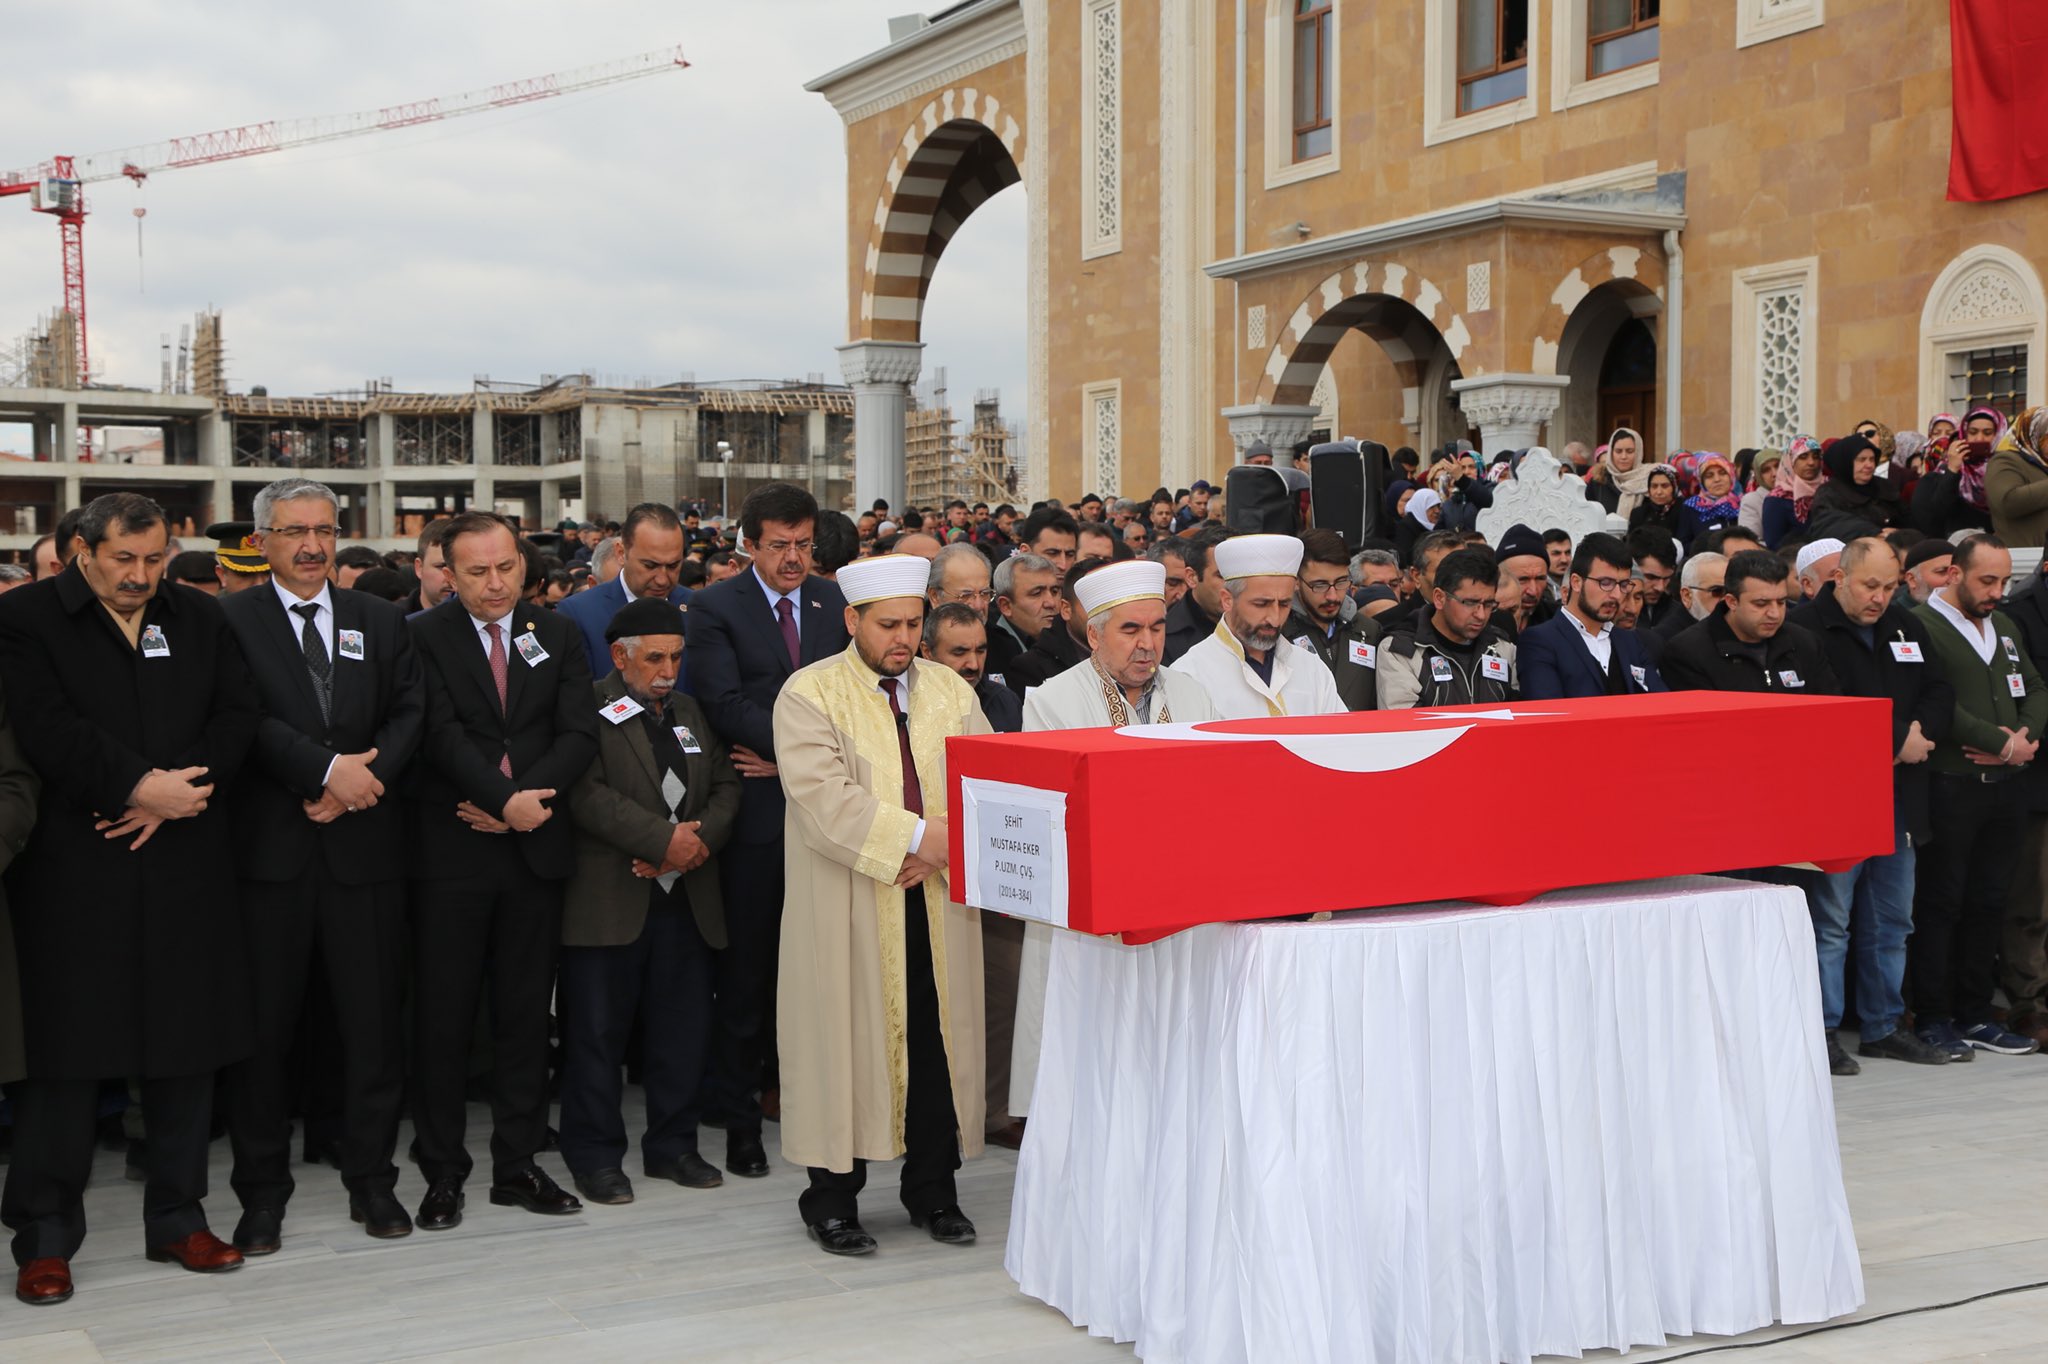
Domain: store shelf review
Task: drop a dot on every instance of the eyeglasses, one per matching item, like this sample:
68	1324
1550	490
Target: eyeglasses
1717	591
783	548
302	532
1323	587
1606	584
977	594
1481	604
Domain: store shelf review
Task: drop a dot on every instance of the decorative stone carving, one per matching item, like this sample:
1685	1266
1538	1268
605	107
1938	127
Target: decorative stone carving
1255	327
881	362
1542	495
1987	294
1279	425
1479	286
1510	409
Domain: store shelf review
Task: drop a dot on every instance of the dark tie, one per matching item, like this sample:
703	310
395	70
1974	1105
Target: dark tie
318	664
785	615
500	674
913	794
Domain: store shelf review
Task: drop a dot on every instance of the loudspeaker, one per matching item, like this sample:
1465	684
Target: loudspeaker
1348	480
1261	499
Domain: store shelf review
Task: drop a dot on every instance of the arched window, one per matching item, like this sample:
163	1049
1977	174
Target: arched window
1982	337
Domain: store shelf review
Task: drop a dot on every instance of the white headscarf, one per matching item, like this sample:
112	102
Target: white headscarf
1419	505
1634	484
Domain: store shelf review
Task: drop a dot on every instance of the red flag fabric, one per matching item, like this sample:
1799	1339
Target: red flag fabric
1999	147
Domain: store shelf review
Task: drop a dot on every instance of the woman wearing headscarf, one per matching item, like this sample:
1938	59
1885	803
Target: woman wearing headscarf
1854	502
1718	502
1791	501
1685	465
1395	501
1942	428
1620	478
1659	506
1950	496
2016	482
1424	510
1763	477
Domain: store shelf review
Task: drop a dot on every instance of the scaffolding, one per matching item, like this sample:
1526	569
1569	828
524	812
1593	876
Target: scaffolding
938	467
46	356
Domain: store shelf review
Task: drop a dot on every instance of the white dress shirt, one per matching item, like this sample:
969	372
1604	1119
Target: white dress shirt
323	619
1599	641
795	600
1978	632
483	633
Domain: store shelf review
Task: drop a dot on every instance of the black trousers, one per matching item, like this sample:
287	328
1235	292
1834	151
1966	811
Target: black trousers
743	1026
931	1125
55	1122
355	937
498	931
1961	881
664	975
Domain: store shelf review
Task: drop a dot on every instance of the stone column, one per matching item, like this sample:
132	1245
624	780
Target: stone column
1510	410
1280	425
881	373
483	494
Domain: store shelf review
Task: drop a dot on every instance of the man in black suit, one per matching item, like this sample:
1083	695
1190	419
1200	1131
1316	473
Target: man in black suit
643	913
510	730
322	842
129	698
747	635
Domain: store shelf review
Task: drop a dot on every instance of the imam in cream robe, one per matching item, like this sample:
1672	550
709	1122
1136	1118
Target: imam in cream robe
1301	685
840	997
1075	700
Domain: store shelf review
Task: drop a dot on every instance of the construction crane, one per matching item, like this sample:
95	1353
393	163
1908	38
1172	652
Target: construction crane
57	186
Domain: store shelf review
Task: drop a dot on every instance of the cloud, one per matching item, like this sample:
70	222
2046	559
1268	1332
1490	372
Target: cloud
687	222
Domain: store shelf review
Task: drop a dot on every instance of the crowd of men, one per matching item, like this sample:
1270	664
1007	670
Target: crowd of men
677	792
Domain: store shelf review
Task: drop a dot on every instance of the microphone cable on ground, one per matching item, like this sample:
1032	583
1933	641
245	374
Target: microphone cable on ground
1860	1321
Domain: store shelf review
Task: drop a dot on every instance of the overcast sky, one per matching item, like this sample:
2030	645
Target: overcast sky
689	222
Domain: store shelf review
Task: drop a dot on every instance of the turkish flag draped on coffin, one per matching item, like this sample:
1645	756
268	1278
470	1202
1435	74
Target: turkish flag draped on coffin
2000	143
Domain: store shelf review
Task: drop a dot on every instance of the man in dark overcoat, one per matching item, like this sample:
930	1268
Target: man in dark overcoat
131	701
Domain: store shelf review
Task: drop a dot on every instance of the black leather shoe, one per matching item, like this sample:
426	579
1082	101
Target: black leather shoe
442	1207
841	1236
381	1214
259	1231
531	1189
690	1170
605	1186
949	1225
745	1156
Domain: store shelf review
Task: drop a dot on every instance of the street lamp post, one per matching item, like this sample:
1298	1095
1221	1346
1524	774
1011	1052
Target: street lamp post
725	480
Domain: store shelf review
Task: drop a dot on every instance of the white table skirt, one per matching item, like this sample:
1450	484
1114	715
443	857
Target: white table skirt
1448	1135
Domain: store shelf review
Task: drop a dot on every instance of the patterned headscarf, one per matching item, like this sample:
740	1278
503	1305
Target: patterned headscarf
1716	509
1940	417
1971	480
1685	466
1908	446
2029	432
1791	485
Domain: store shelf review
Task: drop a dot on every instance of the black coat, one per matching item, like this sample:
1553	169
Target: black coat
2029	610
548	727
1843	513
1938	508
1052	653
379	701
132	961
1668	519
738	664
1707	657
999	706
20	789
1917	691
1004	644
1187	625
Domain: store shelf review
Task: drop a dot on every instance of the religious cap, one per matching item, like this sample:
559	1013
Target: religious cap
1519	540
1116	583
644	616
1815	552
884	577
1251	556
1928	549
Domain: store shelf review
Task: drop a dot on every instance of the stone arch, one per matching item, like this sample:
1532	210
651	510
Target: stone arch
1402	309
1988	296
961	149
1636	273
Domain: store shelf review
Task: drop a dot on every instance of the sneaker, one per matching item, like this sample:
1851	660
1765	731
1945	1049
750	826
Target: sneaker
1901	1045
1839	1062
1944	1037
1992	1037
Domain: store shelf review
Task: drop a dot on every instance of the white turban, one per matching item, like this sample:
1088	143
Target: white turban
1115	584
880	579
1254	556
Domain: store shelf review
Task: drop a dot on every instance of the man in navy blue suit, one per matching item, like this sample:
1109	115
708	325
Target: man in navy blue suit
1578	652
747	635
651	555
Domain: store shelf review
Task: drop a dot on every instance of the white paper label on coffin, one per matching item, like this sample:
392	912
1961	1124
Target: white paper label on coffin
1332	752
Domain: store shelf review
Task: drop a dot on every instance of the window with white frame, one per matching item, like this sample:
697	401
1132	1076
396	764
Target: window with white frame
1302	90
1102	137
1602	48
1759	21
1102	436
1478	57
1982	332
1772	359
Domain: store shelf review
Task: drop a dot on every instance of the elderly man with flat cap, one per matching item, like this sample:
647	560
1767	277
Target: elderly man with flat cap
879	1003
643	913
1246	667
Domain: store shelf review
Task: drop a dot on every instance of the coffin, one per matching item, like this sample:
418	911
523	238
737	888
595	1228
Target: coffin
1154	828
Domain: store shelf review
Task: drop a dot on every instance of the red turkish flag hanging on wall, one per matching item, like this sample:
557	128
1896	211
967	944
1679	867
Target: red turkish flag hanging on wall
2000	144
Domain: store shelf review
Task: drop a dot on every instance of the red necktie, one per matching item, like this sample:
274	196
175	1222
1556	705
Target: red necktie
500	674
913	794
785	615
